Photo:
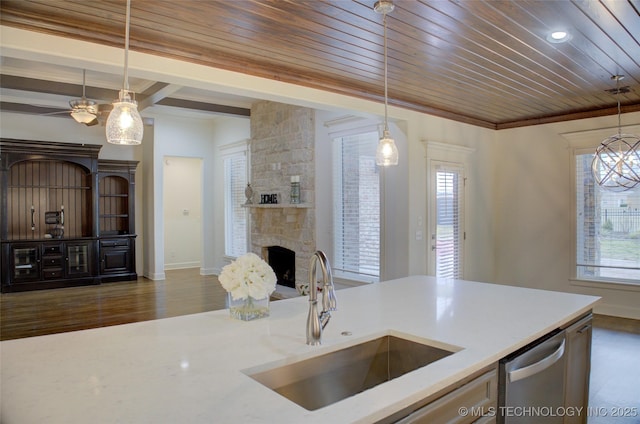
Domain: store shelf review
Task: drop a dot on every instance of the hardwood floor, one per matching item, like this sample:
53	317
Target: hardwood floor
36	313
615	365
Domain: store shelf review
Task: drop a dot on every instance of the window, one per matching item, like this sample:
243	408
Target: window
607	229
235	216
447	231
356	217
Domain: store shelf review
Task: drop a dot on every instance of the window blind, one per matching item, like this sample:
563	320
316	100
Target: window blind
235	181
356	205
449	236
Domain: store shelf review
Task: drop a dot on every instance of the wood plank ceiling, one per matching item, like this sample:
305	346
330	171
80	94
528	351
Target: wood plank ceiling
487	63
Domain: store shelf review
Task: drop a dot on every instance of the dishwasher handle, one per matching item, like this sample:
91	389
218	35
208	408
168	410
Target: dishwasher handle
541	365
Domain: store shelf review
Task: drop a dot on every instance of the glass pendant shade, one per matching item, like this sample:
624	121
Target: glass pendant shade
386	152
616	163
83	116
124	125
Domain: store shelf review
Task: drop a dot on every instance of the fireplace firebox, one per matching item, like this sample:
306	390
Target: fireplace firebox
283	262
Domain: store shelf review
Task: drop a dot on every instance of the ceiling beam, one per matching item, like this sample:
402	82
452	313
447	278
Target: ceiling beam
57	88
206	107
156	93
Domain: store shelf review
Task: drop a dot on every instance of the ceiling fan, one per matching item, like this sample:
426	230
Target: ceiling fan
83	110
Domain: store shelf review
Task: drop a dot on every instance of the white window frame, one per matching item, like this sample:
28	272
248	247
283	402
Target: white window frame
230	151
575	262
457	155
336	158
583	142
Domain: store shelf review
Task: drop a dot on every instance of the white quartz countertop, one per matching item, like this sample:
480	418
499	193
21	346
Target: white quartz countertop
189	369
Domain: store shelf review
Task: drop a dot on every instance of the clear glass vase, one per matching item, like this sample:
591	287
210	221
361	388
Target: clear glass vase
248	309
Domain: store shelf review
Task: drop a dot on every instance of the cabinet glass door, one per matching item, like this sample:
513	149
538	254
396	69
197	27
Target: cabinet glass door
26	263
77	259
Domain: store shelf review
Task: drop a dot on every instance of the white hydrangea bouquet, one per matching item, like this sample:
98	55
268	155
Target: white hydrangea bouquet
249	280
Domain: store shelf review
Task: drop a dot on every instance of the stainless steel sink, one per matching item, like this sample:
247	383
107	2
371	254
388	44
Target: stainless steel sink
322	380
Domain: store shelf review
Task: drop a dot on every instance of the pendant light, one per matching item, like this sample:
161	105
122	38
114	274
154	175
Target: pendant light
386	152
616	163
124	124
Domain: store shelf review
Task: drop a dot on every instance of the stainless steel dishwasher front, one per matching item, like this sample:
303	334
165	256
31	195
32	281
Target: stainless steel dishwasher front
531	386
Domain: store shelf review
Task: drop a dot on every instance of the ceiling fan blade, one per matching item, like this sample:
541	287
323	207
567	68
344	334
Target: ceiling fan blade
92	123
55	113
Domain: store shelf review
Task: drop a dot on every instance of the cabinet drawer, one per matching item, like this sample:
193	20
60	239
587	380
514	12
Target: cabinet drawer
477	396
114	243
52	261
49	274
51	248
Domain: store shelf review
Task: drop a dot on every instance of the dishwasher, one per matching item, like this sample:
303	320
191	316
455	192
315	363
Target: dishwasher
531	382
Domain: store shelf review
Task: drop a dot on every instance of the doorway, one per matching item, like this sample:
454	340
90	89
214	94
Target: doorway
182	211
447	219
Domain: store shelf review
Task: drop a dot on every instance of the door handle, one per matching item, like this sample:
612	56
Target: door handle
585	328
537	367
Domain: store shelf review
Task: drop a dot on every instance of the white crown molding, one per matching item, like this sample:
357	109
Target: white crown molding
592	138
445	147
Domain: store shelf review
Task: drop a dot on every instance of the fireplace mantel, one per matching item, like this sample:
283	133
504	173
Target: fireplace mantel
279	206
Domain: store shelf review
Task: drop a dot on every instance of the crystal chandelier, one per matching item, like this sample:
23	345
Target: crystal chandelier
386	152
124	124
616	163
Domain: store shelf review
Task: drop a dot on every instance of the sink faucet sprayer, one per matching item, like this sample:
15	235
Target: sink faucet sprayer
317	321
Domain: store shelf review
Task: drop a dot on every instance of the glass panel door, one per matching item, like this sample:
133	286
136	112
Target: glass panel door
447	232
77	259
26	263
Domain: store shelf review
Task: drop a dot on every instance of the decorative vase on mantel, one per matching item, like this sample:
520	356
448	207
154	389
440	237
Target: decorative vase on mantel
248	193
249	308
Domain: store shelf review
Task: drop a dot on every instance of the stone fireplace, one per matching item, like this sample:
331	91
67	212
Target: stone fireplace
282	146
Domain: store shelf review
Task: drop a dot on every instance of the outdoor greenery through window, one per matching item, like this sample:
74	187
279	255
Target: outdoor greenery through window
235	216
356	193
608	229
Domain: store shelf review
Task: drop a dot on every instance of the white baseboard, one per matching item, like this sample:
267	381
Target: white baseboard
617	311
181	265
210	271
155	275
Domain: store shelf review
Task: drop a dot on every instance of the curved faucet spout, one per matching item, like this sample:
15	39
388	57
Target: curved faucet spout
317	321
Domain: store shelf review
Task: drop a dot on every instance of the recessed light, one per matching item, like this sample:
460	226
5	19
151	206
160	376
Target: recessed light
560	36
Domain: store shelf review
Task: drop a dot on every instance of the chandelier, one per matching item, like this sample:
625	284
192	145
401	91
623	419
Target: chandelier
616	163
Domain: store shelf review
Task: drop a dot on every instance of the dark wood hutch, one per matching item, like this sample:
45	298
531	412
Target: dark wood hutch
67	218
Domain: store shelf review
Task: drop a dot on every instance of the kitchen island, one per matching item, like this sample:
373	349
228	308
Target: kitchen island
193	368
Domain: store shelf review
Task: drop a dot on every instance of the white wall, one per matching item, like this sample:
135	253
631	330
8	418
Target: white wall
395	254
188	138
533	220
479	246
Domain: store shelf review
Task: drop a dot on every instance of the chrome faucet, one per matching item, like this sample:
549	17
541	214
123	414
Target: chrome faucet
317	321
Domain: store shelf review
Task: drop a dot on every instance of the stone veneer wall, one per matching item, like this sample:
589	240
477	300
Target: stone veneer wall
282	145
